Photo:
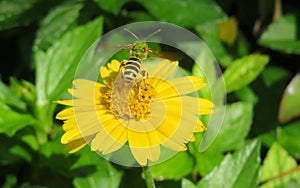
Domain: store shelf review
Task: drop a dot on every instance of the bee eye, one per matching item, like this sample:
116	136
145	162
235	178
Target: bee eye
144	49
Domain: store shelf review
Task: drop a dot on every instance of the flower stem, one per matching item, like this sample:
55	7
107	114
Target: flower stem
148	177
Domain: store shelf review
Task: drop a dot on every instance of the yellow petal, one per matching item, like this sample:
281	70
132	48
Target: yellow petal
203	106
111	138
143	154
76	145
114	65
65	102
85	89
65	114
70	136
163	69
200	127
69	124
179	86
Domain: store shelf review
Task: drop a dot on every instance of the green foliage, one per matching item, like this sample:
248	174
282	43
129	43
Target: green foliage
42	43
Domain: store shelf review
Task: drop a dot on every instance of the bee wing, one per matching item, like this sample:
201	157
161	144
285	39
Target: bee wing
173	56
120	93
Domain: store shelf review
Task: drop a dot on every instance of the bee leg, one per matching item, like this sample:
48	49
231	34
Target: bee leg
144	75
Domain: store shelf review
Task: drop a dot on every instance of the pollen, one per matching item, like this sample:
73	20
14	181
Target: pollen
140	99
133	104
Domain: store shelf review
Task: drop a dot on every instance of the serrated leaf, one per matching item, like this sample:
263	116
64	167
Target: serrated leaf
286	39
12	10
52	28
11	121
277	162
290	102
176	167
56	67
238	170
198	11
10	98
243	71
113	6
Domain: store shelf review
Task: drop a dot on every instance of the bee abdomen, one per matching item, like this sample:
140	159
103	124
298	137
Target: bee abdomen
132	69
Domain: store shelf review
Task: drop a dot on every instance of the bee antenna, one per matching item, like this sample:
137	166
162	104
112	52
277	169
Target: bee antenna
154	33
137	38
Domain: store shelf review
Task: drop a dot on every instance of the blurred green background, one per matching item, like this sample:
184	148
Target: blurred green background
257	44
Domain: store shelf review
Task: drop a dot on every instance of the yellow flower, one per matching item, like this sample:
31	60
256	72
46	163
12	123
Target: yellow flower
153	113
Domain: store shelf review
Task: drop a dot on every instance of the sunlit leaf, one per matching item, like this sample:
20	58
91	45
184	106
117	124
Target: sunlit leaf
286	136
176	167
277	162
290	102
11	121
198	12
236	125
286	39
52	28
185	183
243	71
56	67
238	170
235	128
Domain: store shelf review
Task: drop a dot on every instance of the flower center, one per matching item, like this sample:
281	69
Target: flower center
130	102
140	98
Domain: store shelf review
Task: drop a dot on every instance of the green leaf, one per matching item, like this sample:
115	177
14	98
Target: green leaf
100	172
12	10
290	102
11	121
113	6
246	94
235	128
285	40
286	136
56	23
238	170
273	74
237	123
243	71
185	183
174	11
175	168
10	98
56	68
277	162
209	33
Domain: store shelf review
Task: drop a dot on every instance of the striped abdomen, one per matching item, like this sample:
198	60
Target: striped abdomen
132	69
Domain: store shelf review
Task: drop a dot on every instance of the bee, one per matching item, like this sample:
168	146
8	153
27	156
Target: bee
132	72
138	52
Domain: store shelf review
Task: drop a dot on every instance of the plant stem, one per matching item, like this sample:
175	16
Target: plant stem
148	177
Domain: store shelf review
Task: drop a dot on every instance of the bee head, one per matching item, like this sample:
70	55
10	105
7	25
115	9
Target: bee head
140	49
